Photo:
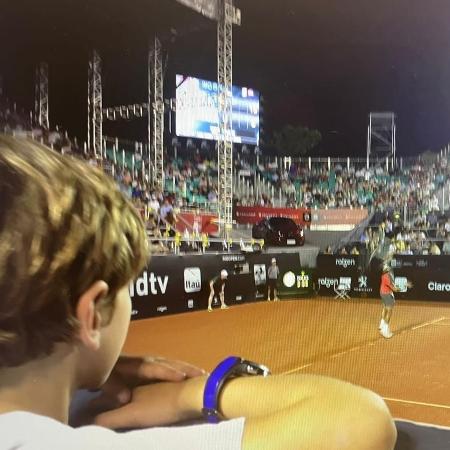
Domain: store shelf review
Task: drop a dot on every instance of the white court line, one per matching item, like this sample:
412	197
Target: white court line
336	355
411	402
372	342
428	323
355	348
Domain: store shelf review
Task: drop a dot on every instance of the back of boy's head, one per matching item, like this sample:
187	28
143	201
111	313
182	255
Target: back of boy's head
63	226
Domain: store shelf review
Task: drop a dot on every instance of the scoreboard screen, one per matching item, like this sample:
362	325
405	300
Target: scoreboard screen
197	113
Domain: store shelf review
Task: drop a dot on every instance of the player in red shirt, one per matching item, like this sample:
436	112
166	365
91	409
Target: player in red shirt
387	289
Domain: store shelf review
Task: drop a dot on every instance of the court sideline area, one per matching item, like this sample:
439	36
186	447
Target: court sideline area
322	336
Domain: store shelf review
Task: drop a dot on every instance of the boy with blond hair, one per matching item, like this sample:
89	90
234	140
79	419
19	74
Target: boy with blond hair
70	243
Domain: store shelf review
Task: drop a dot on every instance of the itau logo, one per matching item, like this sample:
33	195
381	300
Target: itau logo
192	280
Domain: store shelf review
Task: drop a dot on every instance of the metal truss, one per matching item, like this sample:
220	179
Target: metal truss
210	9
227	15
125	112
157	89
149	109
381	136
154	109
95	105
41	96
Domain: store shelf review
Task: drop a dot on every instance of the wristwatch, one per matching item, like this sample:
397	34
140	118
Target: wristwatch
230	367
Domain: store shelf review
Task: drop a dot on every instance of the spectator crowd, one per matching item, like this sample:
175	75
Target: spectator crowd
408	216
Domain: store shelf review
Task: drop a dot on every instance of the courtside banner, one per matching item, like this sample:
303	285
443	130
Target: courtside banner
429	274
173	284
339	216
348	274
421	262
294	280
254	214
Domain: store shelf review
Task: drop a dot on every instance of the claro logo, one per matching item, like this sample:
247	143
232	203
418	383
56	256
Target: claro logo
148	284
345	262
439	287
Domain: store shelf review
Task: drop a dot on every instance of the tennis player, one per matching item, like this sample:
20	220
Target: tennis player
217	285
387	289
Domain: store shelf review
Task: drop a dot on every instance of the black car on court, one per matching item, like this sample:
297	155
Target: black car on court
279	231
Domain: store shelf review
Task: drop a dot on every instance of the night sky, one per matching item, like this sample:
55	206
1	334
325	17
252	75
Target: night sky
321	63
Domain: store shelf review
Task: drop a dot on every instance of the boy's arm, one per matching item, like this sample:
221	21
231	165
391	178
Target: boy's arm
304	411
282	412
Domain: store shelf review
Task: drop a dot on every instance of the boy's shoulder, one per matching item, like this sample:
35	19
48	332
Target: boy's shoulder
27	431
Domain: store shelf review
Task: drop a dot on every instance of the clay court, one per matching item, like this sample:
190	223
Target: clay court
322	336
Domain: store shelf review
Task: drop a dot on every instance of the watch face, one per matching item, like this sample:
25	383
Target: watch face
252	368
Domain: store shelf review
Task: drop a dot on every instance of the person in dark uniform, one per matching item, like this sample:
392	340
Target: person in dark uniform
217	285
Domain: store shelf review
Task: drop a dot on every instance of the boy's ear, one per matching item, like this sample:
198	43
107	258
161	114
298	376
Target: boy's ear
89	316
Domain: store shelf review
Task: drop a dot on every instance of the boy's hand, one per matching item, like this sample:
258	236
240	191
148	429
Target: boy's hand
137	370
157	404
130	372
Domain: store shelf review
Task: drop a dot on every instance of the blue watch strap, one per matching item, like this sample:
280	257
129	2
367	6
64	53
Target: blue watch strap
213	385
233	365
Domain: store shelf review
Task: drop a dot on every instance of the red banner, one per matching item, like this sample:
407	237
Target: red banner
301	216
340	216
254	214
202	223
207	223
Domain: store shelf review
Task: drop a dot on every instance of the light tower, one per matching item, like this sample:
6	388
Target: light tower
156	98
41	96
95	102
381	136
226	15
225	106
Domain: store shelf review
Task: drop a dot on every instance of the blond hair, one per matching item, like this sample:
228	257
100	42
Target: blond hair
63	225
